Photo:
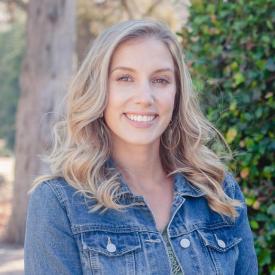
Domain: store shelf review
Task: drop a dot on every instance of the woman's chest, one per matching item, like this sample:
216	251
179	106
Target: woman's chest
130	243
124	251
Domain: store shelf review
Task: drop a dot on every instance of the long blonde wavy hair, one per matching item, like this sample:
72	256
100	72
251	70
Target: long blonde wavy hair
82	142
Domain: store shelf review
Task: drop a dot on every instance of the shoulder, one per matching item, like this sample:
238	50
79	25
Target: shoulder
57	197
231	186
56	202
51	192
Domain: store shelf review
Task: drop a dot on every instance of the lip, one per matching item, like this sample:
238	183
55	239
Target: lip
141	124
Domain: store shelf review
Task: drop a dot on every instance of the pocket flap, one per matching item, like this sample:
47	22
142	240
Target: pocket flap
109	243
219	240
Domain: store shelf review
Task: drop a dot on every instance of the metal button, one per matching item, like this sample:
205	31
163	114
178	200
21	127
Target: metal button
110	246
221	243
184	243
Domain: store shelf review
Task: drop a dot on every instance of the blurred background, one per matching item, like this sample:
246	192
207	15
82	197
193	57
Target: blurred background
229	47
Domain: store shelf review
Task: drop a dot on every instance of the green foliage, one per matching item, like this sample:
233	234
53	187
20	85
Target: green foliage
230	47
11	52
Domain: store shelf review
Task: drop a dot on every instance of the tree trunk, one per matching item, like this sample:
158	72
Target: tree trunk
46	71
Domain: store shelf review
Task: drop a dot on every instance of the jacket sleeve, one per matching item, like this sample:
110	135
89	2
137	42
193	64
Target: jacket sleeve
50	247
247	261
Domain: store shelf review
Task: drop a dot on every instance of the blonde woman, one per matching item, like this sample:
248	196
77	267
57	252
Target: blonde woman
134	188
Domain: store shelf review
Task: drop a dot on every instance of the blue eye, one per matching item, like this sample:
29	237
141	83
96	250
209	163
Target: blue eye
124	78
161	81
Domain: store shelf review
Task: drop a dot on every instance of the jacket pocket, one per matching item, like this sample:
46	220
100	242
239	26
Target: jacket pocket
219	240
110	252
222	246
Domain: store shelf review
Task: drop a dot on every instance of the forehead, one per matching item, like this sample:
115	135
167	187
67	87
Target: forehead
141	51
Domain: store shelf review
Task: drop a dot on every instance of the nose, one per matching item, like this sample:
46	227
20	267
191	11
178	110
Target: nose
144	94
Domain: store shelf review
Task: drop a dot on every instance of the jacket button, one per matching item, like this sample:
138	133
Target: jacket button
184	243
221	243
111	247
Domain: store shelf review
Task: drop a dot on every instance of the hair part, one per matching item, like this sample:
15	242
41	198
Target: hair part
82	142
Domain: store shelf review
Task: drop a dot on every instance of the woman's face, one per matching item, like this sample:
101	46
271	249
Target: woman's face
141	92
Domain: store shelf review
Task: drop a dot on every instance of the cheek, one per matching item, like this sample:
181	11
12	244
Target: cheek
115	108
114	102
168	102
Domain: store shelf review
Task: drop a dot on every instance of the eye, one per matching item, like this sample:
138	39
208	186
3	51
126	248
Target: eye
126	78
162	81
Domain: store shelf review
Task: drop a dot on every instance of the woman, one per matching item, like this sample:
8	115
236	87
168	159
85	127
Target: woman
134	188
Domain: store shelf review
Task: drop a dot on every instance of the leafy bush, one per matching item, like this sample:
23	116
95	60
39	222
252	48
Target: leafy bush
230	47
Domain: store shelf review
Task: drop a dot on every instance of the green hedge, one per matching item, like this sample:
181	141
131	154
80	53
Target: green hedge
229	46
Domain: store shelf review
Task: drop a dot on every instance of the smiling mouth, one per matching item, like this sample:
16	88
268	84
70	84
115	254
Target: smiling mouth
141	118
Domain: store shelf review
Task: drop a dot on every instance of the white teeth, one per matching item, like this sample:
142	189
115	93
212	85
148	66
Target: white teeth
140	117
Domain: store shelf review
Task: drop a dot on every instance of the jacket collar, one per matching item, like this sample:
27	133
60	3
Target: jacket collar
185	187
181	185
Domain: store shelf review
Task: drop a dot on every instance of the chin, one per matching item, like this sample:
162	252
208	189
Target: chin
142	143
138	141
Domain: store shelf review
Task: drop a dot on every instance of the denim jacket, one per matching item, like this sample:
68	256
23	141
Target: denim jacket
63	237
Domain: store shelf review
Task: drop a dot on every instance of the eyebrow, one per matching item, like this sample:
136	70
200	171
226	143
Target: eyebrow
133	70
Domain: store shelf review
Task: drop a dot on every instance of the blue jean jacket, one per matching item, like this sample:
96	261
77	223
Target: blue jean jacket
62	237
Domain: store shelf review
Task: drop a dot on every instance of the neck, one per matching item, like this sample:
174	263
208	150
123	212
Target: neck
140	166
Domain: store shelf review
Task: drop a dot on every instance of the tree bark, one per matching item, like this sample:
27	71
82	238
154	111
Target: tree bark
46	71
